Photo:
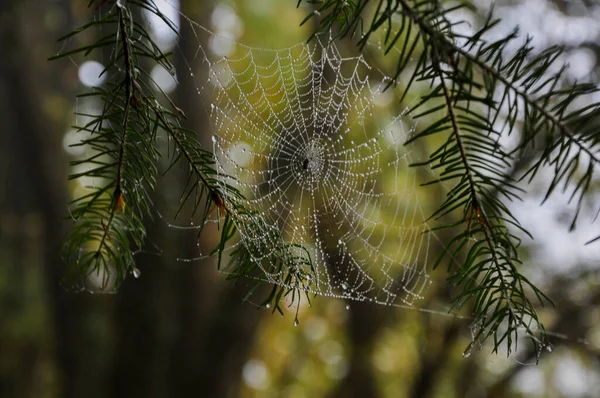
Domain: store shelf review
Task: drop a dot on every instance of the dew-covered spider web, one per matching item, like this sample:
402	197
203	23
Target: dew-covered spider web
297	133
314	142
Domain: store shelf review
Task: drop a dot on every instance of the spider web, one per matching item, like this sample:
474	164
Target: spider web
313	141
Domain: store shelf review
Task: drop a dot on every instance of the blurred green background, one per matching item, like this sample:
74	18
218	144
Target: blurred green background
181	330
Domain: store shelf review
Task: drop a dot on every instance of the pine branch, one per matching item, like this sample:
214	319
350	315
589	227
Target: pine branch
477	212
451	48
117	196
109	218
480	89
102	222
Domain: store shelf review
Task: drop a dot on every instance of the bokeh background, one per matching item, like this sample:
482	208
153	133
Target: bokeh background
180	329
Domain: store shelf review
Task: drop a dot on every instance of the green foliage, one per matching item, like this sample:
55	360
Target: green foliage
484	94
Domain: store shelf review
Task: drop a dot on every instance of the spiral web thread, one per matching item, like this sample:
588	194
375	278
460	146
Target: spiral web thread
310	142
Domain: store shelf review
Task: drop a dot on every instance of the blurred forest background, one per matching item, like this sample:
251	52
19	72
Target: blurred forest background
180	329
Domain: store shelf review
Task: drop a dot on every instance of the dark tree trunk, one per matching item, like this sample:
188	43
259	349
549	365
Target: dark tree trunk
183	331
36	175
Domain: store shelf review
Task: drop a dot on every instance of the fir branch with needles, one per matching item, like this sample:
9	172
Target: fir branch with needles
110	217
487	93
